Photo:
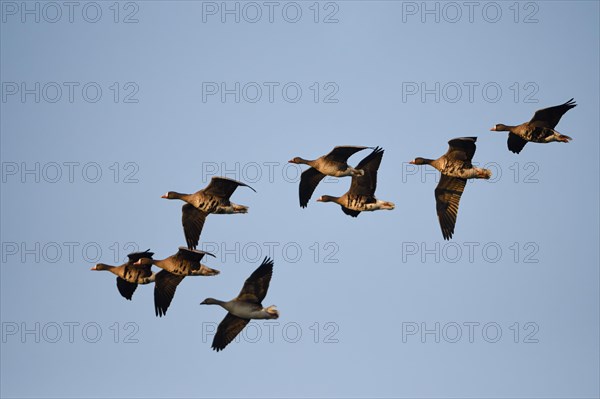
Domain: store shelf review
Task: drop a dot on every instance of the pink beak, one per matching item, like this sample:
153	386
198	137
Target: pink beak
164	196
412	162
493	129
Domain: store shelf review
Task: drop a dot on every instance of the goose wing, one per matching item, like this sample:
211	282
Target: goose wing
256	286
193	220
365	185
309	181
515	143
549	117
447	198
461	149
342	153
126	289
228	329
223	187
165	285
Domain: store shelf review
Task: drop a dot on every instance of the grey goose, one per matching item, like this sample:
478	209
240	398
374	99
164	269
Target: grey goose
456	167
246	306
186	262
361	195
129	274
335	163
540	129
214	198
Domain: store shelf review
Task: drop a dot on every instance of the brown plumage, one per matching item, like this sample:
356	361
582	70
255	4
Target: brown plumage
361	195
129	275
246	306
185	262
456	167
540	129
214	198
335	163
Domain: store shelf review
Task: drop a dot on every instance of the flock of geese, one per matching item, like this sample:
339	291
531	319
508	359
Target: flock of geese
455	167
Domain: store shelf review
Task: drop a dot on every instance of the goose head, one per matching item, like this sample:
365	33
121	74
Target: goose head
500	128
210	301
171	195
420	161
296	160
101	266
326	198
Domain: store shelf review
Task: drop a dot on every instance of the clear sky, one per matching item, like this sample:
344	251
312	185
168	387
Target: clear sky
106	106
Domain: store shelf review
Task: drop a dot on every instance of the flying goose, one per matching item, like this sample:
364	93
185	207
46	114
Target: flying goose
129	274
247	305
456	167
332	164
540	129
185	262
214	198
361	196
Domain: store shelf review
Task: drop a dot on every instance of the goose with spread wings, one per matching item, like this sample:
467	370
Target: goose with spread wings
456	167
214	198
246	306
361	196
129	274
185	262
333	164
540	129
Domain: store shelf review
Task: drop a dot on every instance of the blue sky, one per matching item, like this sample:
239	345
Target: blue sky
106	108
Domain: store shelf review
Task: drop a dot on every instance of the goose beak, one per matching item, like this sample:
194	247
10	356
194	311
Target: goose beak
93	268
164	196
291	161
493	129
412	162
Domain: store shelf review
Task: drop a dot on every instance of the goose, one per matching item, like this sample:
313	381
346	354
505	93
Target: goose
332	164
185	262
456	167
129	274
540	129
246	306
361	196
214	198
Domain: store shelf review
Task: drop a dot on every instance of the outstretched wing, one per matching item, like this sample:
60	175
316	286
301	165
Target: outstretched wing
549	117
308	183
256	286
462	149
135	256
126	288
223	187
342	153
193	220
165	284
515	143
228	329
366	184
447	198
350	212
